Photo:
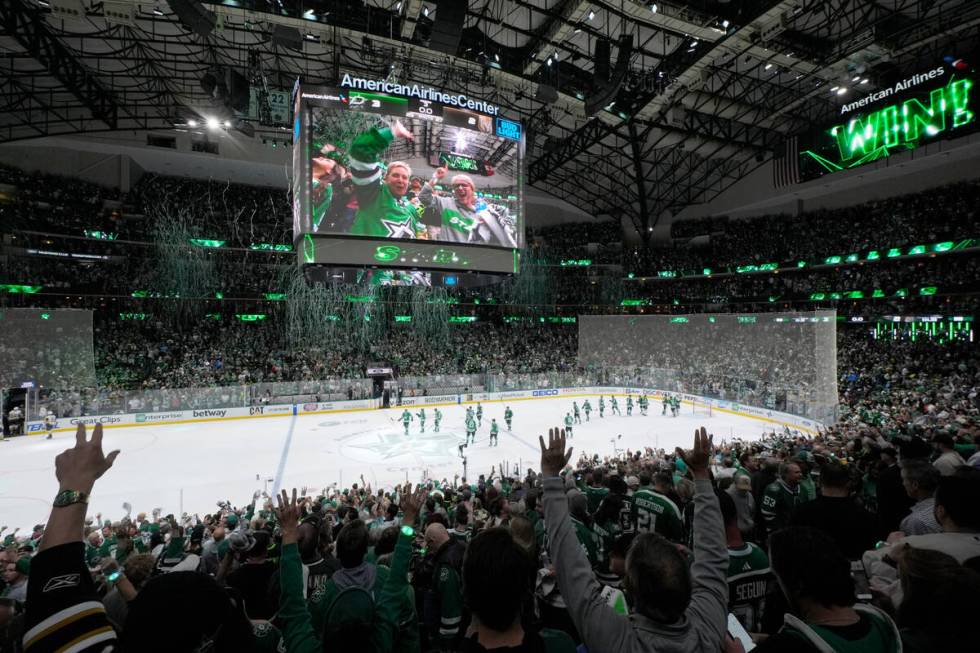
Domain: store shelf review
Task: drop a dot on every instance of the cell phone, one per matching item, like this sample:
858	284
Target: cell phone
737	631
113	576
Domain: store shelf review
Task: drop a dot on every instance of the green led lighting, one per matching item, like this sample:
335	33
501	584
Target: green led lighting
901	292
632	302
918	249
667	274
219	295
309	249
403	318
630	275
835	295
19	289
832	260
854	294
576	262
213	316
706	272
768	267
852	258
894	252
873	255
928	290
251	317
271	247
100	235
679	320
45	316
461	319
878	292
942	247
141	293
773	298
134	316
747	319
206	242
817	296
275	296
801	264
386	253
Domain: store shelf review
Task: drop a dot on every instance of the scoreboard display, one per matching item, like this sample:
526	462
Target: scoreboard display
388	175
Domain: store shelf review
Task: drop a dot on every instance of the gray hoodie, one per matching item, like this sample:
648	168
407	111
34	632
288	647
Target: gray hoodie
704	624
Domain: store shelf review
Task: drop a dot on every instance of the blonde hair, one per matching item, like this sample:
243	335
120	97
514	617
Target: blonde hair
398	164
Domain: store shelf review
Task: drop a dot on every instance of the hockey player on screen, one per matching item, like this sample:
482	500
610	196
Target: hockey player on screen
470	429
602	407
438	418
479	414
614	406
406	419
494	432
568	424
629	405
587	407
464	217
575	412
508	416
421	416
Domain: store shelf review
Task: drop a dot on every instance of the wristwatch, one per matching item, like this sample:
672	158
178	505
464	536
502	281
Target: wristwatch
70	497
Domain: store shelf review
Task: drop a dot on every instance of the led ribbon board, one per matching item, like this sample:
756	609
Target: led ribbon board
913	112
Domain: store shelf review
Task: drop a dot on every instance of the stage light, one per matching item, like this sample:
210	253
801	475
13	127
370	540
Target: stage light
768	66
653	7
842	90
213	123
227	124
591	14
192	123
725	24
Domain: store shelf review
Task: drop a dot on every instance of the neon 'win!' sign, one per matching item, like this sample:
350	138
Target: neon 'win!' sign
904	125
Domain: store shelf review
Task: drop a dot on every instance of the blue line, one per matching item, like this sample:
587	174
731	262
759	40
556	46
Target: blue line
282	457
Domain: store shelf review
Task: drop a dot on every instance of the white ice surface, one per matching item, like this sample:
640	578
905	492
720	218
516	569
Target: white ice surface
189	467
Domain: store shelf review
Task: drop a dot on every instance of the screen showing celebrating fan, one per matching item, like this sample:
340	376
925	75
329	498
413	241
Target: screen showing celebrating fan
438	181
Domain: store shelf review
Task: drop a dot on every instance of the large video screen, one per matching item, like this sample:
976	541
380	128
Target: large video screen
877	121
440	184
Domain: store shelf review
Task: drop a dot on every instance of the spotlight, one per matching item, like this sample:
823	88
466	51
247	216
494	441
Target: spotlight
653	7
768	66
192	123
842	90
227	124
591	14
213	123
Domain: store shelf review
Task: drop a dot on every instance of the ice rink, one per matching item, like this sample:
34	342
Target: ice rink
188	467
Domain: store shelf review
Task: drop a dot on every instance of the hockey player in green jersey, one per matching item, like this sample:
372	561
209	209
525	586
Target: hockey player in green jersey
629	405
568	424
675	406
666	403
614	406
494	431
587	407
508	416
643	405
602	407
406	418
470	429
383	206
438	418
575	412
421	416
479	414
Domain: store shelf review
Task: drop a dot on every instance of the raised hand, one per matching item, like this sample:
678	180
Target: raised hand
553	456
399	130
288	514
699	457
411	504
79	467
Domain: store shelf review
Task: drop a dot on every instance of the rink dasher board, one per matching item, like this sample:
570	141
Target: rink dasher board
324	408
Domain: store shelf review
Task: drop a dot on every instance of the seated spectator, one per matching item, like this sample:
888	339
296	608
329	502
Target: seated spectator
837	514
921	480
815	578
675	608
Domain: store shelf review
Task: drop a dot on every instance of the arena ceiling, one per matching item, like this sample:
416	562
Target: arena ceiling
712	89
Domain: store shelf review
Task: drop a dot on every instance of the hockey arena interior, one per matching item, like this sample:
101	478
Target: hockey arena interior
527	326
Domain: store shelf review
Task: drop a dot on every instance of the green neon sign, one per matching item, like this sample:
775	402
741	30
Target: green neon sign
206	242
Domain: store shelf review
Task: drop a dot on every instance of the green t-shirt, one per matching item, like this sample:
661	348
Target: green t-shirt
379	212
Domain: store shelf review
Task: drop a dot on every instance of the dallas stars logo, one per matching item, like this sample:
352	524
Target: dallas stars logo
389	445
398	229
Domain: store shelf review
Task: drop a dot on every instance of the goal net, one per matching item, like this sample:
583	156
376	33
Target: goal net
701	408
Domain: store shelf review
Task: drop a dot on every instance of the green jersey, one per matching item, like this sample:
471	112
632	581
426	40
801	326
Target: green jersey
379	212
421	415
614	402
595	495
494	428
406	417
629	402
575	408
470	424
508	414
587	407
479	411
590	541
569	421
655	513
749	577
449	589
437	416
778	503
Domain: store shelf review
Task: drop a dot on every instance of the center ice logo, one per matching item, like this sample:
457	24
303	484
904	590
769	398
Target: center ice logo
387	446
